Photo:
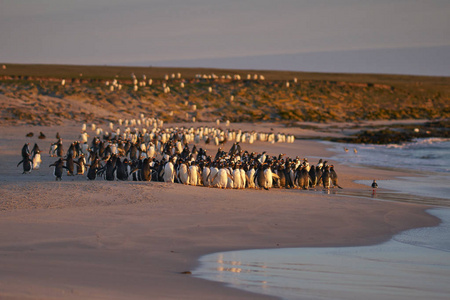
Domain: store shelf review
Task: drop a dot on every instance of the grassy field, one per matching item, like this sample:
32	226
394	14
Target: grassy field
34	94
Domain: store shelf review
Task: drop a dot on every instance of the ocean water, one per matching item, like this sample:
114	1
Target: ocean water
425	155
428	161
414	264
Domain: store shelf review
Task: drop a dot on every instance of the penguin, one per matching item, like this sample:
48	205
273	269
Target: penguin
318	174
222	179
146	171
136	167
122	169
59	148
29	134
27	164
193	174
289	175
81	164
302	177
108	169
251	174
52	150
374	187
374	184
93	169
237	179
70	165
243	177
58	171
312	176
213	177
230	179
26	151
184	173
320	164
326	178
281	173
169	170
132	152
206	173
264	177
36	157
41	136
334	177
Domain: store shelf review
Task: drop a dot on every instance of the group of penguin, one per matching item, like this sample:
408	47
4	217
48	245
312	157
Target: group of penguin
135	158
30	159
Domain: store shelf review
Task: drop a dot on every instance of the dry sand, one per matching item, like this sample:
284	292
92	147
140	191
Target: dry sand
79	239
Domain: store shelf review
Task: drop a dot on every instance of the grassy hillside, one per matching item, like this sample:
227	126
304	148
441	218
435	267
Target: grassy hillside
34	94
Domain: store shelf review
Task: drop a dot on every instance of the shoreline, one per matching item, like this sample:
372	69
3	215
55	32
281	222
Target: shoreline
372	272
134	239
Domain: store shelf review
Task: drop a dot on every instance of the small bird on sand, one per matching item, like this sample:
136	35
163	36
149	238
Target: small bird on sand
374	187
374	184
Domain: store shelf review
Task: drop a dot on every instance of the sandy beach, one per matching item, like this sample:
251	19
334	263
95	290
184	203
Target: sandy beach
79	239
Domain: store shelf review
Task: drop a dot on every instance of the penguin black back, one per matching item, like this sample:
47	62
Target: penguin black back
59	166
27	164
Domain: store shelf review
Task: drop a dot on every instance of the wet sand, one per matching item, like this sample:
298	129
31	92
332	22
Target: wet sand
412	265
79	239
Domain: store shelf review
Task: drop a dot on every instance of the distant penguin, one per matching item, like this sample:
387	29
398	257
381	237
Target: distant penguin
58	171
334	177
29	134
27	164
374	184
41	136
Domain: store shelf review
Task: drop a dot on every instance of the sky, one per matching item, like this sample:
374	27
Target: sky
152	32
